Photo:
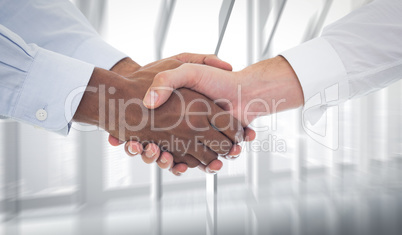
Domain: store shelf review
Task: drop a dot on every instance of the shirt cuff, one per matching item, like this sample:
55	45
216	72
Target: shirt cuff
52	91
99	53
321	74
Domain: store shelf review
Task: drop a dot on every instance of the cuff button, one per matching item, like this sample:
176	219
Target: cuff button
41	114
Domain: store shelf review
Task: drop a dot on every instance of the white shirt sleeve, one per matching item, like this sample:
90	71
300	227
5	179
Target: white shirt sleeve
38	86
357	55
58	26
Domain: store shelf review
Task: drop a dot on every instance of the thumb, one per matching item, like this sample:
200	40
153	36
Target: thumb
167	81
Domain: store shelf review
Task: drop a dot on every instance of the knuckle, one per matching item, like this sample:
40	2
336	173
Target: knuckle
210	56
172	63
193	73
225	147
197	123
183	55
208	157
162	78
192	162
178	158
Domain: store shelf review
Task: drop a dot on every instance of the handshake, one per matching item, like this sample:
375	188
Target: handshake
187	130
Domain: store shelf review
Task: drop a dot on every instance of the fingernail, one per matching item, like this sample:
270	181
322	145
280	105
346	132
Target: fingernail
148	152
235	156
163	160
130	150
151	98
210	171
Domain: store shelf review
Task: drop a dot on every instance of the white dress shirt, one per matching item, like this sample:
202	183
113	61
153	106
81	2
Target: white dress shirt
47	50
356	55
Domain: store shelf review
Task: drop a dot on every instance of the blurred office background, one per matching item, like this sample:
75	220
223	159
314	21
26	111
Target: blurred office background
290	184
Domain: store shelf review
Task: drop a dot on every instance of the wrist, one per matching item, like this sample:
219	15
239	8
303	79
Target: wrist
112	102
125	67
91	103
270	86
103	88
292	89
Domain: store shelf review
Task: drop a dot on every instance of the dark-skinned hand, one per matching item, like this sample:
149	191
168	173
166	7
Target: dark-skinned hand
176	127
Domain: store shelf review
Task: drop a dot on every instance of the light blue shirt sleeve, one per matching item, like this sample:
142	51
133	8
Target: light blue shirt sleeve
47	54
36	85
58	26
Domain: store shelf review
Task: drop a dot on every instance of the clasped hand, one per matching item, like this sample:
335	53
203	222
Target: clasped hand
189	128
